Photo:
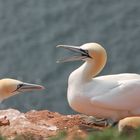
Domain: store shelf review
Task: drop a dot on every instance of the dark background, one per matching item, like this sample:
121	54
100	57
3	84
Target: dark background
30	30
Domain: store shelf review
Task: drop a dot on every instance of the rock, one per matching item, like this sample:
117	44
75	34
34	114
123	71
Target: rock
4	121
42	124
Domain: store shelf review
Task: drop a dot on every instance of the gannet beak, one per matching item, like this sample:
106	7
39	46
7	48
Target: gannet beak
80	53
23	87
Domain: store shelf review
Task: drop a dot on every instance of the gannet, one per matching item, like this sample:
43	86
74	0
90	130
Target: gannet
112	97
10	87
128	124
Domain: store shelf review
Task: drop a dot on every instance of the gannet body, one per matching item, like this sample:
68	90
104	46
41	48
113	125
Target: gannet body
10	87
112	97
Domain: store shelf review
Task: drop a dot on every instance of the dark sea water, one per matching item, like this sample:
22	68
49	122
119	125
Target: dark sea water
30	30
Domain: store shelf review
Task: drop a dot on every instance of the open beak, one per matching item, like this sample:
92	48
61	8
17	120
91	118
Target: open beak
23	87
80	53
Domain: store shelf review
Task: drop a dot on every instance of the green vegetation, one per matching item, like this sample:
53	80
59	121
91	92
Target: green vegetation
2	138
109	134
60	136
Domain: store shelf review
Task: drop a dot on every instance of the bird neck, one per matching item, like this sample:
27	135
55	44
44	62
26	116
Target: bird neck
89	69
4	94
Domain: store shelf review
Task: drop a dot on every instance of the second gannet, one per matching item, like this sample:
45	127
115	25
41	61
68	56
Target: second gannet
129	124
10	87
112	97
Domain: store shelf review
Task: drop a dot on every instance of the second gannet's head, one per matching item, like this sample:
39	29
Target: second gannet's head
10	87
129	124
87	52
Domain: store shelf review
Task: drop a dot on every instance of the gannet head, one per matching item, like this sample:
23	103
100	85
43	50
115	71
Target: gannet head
129	124
10	87
87	52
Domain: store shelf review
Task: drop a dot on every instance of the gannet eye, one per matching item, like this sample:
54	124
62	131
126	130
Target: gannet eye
85	53
19	86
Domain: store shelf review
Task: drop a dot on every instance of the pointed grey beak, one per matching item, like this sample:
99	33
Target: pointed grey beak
28	87
80	53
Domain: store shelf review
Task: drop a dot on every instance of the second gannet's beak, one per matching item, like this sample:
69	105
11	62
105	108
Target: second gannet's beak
80	53
23	87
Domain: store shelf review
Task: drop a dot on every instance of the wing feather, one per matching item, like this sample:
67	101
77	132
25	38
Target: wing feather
124	96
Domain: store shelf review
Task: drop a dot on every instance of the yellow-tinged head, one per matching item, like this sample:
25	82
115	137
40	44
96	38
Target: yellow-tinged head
87	52
93	53
95	50
129	124
10	87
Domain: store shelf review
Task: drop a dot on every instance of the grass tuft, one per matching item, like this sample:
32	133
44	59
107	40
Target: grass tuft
108	134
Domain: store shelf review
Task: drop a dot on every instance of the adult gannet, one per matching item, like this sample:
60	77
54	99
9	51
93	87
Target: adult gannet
112	97
10	87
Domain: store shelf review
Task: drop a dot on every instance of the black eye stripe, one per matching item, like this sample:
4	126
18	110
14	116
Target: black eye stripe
85	53
19	86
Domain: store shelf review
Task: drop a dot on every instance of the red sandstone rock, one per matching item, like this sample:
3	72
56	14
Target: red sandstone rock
42	124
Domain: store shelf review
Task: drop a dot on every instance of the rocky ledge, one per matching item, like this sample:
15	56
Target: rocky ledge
42	124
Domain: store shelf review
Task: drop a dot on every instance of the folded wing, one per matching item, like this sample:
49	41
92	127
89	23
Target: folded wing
124	96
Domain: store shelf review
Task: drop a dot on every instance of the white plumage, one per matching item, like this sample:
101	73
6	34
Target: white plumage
112	96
